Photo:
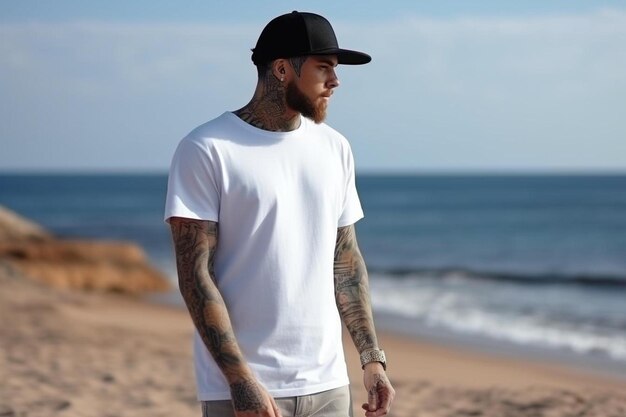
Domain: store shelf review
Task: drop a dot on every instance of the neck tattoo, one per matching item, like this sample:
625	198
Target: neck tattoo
267	110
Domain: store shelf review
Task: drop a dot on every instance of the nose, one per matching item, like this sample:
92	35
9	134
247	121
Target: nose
333	82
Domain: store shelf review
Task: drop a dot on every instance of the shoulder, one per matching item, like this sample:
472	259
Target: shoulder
212	138
202	144
331	135
211	131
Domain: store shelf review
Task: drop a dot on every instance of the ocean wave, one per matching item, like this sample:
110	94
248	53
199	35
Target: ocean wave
596	280
571	318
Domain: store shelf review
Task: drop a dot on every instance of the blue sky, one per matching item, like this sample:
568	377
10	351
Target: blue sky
482	86
201	11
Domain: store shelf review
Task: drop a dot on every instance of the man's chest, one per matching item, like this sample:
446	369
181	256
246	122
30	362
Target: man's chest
297	176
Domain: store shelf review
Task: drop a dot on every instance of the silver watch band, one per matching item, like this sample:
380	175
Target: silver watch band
373	355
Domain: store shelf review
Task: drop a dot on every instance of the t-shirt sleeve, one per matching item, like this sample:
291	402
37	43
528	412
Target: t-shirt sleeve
192	190
352	211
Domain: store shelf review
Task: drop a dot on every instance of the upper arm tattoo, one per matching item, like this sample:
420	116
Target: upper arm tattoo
352	290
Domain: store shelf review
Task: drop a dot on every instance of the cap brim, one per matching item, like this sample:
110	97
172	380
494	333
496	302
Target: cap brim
348	57
345	56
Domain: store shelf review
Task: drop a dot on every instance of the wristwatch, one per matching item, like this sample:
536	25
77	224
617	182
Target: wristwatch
373	355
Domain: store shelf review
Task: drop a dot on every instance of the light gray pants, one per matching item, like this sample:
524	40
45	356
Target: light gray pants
333	403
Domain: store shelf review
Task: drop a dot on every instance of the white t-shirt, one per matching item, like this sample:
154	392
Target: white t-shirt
279	198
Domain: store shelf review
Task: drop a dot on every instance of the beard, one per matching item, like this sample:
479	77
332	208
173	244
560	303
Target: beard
299	102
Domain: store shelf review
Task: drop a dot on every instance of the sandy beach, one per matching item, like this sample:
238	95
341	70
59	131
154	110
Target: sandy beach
73	353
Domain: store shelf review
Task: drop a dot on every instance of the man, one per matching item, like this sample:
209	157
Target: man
262	205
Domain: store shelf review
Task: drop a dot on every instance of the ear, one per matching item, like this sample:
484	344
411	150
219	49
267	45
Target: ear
279	69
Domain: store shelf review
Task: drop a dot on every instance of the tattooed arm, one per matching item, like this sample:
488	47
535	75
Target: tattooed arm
195	243
353	302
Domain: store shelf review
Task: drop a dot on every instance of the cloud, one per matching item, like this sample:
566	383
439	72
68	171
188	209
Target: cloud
459	93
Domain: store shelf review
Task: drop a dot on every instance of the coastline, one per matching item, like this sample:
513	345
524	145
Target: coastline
70	353
395	326
600	365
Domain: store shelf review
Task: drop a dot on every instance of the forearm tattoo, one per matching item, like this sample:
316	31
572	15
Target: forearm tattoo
195	243
247	396
352	290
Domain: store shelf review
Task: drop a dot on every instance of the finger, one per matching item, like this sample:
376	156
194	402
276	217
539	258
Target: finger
377	413
386	400
372	398
368	413
277	412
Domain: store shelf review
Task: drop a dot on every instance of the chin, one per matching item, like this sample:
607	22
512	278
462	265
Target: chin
317	114
320	114
319	118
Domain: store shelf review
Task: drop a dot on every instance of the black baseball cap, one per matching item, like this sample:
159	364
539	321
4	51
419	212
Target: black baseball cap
301	33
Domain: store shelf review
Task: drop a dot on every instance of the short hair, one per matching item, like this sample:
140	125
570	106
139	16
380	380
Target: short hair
262	68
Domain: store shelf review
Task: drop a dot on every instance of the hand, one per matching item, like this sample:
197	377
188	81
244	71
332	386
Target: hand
380	393
250	399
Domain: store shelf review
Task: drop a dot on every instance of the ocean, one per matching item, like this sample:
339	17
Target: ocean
526	262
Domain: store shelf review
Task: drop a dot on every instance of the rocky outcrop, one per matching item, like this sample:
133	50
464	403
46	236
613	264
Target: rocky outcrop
78	264
14	227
